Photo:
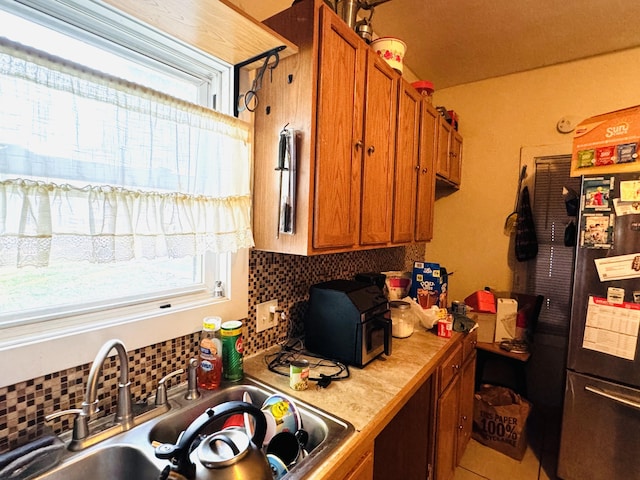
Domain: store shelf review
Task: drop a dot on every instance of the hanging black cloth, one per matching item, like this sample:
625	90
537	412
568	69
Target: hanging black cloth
526	240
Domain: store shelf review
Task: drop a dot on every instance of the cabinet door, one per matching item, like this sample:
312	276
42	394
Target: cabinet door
339	136
467	387
455	158
377	162
407	163
444	130
364	469
403	450
429	119
447	431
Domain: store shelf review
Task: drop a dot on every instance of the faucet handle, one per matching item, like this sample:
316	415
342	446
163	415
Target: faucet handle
161	392
80	422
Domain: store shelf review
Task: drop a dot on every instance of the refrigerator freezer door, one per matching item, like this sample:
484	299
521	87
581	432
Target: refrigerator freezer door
600	426
586	283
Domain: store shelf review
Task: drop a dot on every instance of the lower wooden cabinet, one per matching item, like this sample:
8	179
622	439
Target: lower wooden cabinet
363	468
427	437
404	449
455	407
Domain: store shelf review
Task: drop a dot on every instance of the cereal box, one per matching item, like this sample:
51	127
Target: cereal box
607	143
429	285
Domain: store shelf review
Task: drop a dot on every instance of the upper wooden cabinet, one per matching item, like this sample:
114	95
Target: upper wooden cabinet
341	99
378	151
429	118
414	180
407	164
449	165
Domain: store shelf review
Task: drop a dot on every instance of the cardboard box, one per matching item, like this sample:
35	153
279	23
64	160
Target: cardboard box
429	285
607	144
486	326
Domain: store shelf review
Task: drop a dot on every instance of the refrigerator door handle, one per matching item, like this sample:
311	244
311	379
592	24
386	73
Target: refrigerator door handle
610	396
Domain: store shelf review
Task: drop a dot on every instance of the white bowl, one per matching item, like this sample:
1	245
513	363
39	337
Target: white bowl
392	50
282	416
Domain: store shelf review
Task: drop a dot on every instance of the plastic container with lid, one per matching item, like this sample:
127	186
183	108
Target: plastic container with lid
425	88
402	319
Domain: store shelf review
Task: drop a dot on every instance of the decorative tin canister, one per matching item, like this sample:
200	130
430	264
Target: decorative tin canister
232	350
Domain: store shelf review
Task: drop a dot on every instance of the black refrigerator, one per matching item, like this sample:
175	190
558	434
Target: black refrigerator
600	436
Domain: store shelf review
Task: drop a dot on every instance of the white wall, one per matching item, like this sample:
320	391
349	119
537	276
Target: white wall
497	118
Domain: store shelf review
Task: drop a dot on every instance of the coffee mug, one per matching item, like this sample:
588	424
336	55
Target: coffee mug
286	447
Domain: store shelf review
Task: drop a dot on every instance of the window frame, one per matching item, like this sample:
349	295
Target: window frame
522	273
33	353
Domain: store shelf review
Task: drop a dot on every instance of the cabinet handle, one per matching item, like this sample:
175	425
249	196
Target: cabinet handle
460	427
424	170
359	144
371	149
417	168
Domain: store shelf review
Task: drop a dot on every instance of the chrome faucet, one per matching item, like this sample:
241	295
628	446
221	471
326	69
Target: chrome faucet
124	414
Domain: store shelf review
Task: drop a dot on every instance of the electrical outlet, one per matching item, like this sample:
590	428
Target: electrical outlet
266	315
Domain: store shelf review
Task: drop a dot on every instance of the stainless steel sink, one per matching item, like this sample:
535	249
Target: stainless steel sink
108	462
131	453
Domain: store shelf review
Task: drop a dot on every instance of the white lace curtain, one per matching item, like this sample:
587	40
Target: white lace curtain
95	168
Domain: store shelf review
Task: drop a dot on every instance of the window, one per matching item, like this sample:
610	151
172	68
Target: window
550	273
122	202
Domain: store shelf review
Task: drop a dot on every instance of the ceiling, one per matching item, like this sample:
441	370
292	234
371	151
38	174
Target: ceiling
452	42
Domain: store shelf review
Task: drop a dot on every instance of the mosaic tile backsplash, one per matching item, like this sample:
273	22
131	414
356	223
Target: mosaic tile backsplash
271	276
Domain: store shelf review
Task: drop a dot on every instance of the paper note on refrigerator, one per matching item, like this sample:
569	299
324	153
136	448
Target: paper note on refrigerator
619	267
612	328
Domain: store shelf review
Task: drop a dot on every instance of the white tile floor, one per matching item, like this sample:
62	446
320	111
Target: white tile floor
539	462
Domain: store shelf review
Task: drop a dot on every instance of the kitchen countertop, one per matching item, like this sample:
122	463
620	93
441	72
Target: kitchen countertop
371	396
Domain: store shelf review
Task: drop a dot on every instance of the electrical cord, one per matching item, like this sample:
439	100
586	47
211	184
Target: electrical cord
279	362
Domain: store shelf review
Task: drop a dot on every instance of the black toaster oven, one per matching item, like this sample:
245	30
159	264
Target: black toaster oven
348	321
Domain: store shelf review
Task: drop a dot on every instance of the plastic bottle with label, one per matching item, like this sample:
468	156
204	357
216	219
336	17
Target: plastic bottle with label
210	368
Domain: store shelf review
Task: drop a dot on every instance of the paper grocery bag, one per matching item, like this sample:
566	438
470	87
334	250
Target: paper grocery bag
499	420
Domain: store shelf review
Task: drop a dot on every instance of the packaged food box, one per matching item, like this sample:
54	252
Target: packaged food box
429	285
607	143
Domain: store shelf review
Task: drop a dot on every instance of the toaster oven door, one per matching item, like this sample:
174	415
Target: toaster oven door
376	338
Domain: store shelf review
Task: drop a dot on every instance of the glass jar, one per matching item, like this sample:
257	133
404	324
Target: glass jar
402	319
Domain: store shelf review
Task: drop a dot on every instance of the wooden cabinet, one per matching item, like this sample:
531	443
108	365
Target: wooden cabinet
363	468
456	377
427	437
414	171
429	118
406	164
378	151
340	97
455	158
467	390
449	164
404	448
